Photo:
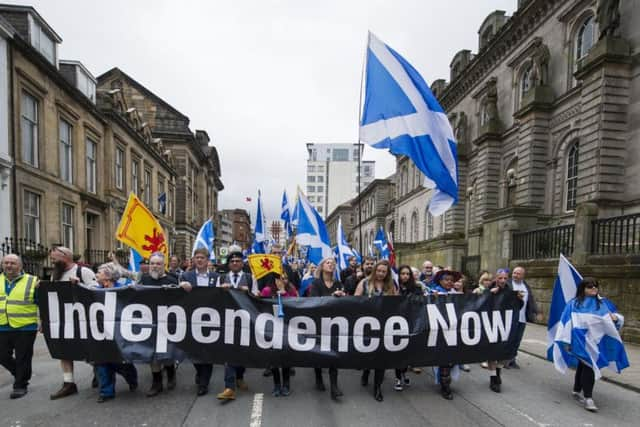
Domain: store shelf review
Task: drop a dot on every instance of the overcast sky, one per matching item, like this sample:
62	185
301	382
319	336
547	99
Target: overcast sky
264	78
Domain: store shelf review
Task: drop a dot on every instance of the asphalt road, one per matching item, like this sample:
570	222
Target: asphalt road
535	395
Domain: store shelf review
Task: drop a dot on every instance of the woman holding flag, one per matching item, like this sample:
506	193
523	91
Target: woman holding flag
588	334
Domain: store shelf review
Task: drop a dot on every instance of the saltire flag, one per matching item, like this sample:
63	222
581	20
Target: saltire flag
592	336
401	114
392	253
259	239
312	231
135	259
564	290
285	215
294	214
205	239
380	242
357	255
162	203
141	230
343	250
263	264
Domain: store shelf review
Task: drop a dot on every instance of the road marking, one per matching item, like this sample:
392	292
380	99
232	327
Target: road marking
519	412
256	410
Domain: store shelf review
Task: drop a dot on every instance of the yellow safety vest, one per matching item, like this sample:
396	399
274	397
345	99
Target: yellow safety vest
18	309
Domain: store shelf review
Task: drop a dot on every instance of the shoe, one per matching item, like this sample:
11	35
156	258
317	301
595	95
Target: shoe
493	384
398	385
484	365
202	390
377	393
94	382
578	397
335	393
446	393
241	384
498	377
171	377
417	370
277	392
590	405
364	380
266	373
17	393
156	389
285	391
102	399
514	365
465	368
67	390
320	384
227	394
133	386
406	380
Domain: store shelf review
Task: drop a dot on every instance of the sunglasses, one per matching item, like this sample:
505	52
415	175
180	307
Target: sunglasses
591	286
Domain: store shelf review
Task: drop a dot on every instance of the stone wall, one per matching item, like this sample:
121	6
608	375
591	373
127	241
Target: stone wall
619	278
446	250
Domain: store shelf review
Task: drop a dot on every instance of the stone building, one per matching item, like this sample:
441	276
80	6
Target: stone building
241	224
344	212
6	160
196	160
224	233
544	115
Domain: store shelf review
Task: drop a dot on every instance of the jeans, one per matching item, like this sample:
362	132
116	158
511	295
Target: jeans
20	343
231	373
107	376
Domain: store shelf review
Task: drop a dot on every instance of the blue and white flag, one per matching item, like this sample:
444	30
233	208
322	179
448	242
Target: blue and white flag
591	335
205	239
380	242
312	232
258	246
285	215
401	114
344	251
357	255
564	290
162	203
135	259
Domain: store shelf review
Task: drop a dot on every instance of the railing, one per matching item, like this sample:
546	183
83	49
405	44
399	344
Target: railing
35	257
543	243
100	256
616	235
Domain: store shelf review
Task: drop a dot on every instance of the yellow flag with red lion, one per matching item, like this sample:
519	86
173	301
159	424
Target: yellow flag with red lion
141	230
263	264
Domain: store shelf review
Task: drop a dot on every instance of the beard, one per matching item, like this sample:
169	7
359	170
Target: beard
58	270
155	275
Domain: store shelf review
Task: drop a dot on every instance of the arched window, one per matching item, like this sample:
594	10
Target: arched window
403	229
525	82
484	113
572	177
443	223
405	180
417	177
428	225
585	39
414	227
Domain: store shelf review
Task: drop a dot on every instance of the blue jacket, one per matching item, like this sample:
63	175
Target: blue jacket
192	278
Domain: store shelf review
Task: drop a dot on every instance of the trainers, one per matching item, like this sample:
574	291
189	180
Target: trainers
67	389
102	399
17	393
398	385
484	365
227	394
465	368
407	380
285	391
277	391
577	396
590	405
242	384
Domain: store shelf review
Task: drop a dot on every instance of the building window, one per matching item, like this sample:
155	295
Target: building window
31	216
311	168
356	154
92	160
320	168
66	152
320	178
414	227
585	39
319	209
572	177
405	180
92	231
119	172
403	229
146	195
525	82
311	178
135	176
428	227
161	189
29	129
443	223
311	189
170	203
367	171
85	84
319	189
320	199
340	155
41	41
67	225
312	199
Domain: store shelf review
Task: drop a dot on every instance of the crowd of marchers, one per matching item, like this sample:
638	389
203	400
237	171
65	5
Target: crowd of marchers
19	322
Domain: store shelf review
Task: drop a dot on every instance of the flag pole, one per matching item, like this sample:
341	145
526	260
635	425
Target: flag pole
361	147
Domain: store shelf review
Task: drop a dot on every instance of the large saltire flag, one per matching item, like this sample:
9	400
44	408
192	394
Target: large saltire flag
258	246
285	214
312	231
343	250
401	114
141	230
263	264
205	239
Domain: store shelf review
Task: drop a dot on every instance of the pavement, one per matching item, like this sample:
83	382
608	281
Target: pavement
535	395
535	344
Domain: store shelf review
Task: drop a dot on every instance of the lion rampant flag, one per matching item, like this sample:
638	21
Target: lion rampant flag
263	264
139	229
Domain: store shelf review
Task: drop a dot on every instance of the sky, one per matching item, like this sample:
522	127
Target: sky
263	77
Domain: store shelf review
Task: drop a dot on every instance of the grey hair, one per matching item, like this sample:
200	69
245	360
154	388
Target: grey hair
156	255
112	270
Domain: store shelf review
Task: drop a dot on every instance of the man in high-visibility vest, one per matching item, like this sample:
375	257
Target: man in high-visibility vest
18	322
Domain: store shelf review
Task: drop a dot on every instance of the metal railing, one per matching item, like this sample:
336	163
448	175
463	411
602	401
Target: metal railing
35	256
543	243
616	235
